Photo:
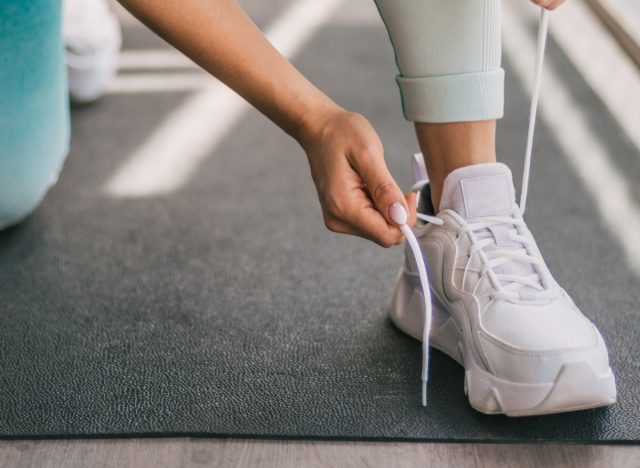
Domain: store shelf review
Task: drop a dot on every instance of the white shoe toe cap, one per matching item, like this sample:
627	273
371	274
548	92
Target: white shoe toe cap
542	365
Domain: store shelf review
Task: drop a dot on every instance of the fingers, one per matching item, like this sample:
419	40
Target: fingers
370	166
359	217
368	223
353	213
549	4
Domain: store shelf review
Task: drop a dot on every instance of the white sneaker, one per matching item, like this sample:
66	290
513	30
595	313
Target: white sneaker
92	40
526	348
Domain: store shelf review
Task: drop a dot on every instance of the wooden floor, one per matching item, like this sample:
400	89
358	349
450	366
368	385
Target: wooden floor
190	452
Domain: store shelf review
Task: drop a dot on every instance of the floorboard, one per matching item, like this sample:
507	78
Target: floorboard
197	453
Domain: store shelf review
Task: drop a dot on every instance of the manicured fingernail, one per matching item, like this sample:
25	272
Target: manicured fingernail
418	198
397	213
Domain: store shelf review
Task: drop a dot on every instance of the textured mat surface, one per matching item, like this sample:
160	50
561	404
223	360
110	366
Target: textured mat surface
226	308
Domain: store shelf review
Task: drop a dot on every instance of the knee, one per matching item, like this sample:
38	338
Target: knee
22	191
31	157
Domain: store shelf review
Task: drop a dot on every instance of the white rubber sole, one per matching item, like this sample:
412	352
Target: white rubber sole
576	387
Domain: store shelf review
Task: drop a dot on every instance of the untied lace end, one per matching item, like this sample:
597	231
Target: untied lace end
424	282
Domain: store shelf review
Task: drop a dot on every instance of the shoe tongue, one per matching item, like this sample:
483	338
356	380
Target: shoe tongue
479	190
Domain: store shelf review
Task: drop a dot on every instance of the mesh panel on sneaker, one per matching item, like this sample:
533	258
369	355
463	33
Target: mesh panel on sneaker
532	327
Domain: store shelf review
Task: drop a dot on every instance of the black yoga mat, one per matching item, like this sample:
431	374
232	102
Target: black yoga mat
225	308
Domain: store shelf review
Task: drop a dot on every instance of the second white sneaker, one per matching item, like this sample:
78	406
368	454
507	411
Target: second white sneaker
525	346
92	40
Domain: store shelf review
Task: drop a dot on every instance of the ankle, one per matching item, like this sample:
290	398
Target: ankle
450	146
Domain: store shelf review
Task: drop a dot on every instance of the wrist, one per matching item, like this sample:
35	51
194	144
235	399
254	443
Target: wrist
310	126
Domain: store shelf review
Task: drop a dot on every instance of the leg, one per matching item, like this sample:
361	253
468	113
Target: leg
34	121
450	80
498	311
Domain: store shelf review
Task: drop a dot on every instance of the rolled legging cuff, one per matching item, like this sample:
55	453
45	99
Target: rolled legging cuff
453	98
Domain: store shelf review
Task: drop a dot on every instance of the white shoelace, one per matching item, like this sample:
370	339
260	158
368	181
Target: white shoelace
503	255
530	287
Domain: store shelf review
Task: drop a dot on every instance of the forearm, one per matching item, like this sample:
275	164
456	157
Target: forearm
221	38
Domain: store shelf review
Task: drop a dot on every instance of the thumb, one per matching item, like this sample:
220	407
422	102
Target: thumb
385	193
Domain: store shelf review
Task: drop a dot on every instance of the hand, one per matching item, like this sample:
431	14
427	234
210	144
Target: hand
354	185
549	4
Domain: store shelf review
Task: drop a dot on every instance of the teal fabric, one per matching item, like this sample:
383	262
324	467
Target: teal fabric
448	57
34	109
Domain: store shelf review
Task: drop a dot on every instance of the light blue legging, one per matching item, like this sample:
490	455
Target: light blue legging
34	109
448	57
447	52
